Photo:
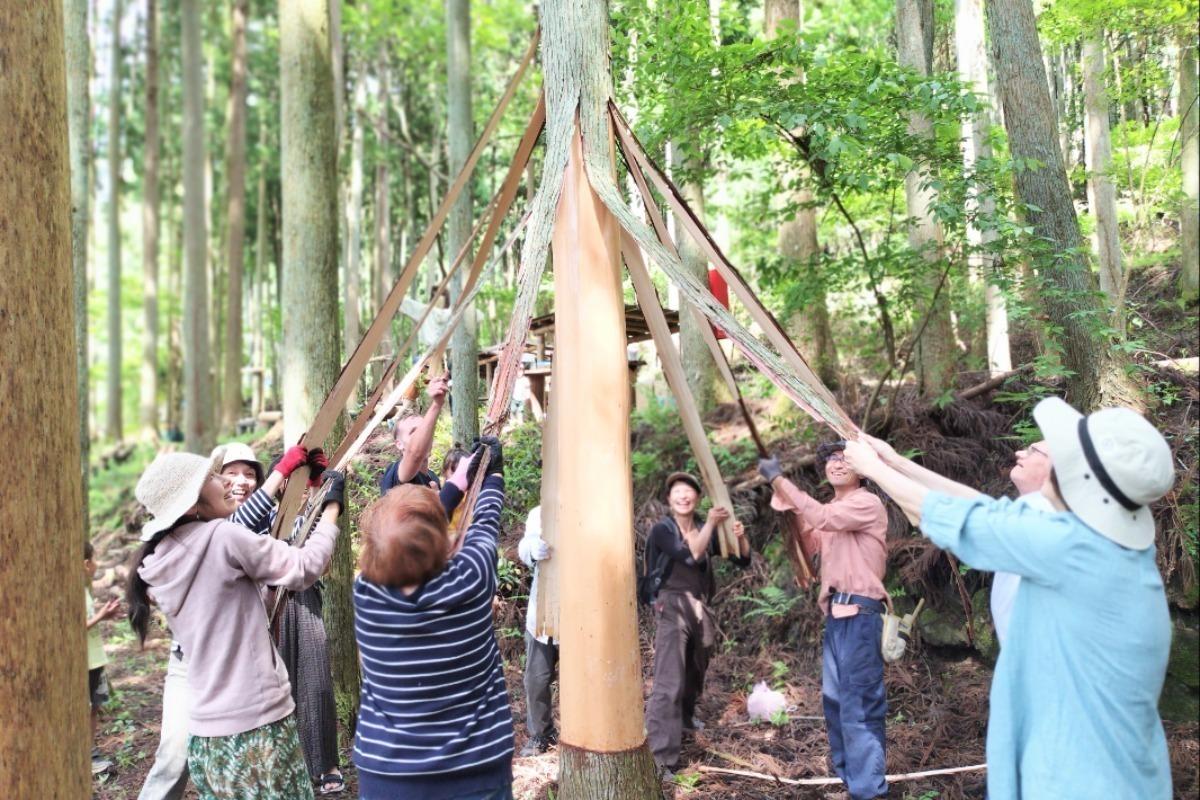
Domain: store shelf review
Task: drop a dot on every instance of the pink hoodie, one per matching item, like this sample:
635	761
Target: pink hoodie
205	577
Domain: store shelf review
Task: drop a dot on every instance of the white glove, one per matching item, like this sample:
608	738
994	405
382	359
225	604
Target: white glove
541	550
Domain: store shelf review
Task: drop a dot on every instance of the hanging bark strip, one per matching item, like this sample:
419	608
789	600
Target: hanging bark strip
793	539
499	209
672	365
788	369
907	776
549	575
354	367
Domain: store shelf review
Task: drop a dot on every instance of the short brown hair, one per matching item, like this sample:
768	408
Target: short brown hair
405	540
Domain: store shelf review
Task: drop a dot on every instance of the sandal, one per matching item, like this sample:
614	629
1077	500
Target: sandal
331	783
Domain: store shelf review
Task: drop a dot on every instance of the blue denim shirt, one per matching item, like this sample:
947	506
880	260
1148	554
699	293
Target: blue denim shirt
1074	702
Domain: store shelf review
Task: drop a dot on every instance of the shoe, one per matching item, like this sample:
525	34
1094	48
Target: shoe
101	765
693	725
536	745
665	775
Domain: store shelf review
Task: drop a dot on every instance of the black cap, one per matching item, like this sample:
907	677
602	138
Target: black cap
686	477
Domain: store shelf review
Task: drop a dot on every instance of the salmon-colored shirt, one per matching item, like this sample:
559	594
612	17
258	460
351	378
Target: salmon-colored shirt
850	533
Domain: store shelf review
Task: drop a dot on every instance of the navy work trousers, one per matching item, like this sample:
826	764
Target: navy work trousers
855	702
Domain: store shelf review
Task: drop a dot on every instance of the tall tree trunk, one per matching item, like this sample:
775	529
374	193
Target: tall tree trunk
698	366
150	228
174	364
460	128
42	660
112	405
935	346
1097	375
1189	134
383	213
312	352
799	245
235	238
1102	195
197	380
79	61
972	67
603	750
353	258
259	320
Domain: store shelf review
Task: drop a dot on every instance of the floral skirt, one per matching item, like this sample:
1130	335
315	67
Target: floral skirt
263	764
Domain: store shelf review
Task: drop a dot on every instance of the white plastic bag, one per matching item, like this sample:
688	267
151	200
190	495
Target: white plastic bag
764	702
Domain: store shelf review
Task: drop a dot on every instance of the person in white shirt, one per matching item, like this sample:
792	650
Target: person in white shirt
1030	472
541	652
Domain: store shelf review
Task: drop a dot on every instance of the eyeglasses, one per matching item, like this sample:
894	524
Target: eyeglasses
835	457
1033	448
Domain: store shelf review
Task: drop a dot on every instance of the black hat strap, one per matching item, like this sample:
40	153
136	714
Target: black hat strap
1093	460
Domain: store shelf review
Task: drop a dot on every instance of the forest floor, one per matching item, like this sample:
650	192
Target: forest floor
937	696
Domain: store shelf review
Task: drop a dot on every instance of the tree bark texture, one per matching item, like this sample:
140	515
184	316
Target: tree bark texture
1102	195
798	243
112	405
197	380
626	775
311	346
464	344
1189	134
1097	374
43	720
235	224
79	67
935	346
972	67
261	279
698	364
150	231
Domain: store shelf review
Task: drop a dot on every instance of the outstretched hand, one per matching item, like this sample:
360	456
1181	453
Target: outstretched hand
718	514
769	468
111	609
885	450
862	457
437	388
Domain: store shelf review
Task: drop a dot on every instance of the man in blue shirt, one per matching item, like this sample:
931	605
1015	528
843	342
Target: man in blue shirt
1074	701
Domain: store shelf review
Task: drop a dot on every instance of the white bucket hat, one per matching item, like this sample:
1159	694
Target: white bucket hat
171	485
237	451
1110	466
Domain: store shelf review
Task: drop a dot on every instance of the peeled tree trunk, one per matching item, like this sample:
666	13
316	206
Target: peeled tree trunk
197	380
113	423
43	722
311	346
150	230
1189	135
79	62
1097	372
1102	194
235	225
972	67
464	344
934	347
353	258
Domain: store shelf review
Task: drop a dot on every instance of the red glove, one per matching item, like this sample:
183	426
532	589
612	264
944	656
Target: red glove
317	464
294	457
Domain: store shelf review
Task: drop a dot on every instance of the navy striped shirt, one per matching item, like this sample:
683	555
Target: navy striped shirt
434	703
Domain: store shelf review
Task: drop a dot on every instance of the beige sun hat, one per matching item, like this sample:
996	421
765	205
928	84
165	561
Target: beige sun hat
1110	465
171	485
237	451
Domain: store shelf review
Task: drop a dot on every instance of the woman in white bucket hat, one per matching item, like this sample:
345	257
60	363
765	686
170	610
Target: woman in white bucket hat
1074	700
243	733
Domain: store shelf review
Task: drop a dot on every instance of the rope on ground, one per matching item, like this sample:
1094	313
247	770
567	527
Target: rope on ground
907	776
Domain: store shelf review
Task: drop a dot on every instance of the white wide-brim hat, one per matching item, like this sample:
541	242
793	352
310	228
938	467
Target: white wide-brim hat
171	485
1111	465
237	451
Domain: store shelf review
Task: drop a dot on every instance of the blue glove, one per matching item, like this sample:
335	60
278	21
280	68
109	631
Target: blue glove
769	468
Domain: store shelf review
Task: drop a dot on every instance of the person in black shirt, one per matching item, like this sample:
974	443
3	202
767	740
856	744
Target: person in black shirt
685	632
413	436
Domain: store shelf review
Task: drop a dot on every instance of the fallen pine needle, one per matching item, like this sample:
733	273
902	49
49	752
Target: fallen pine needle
908	776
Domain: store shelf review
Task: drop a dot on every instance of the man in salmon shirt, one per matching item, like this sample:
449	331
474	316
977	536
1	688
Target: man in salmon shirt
850	533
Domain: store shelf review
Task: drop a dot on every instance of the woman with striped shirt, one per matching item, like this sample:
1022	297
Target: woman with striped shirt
434	721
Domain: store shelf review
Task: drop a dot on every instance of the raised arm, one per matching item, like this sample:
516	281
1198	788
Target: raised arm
918	474
416	450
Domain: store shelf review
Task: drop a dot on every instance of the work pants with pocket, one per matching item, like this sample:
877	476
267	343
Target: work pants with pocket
683	642
168	776
541	667
855	702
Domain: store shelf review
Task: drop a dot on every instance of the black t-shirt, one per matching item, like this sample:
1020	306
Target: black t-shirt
684	571
390	480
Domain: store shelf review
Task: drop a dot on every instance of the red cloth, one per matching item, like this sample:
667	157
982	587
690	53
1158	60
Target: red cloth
720	290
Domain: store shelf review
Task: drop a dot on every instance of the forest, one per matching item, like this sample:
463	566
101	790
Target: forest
635	238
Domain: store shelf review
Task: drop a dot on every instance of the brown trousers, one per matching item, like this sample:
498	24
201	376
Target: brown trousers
683	641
